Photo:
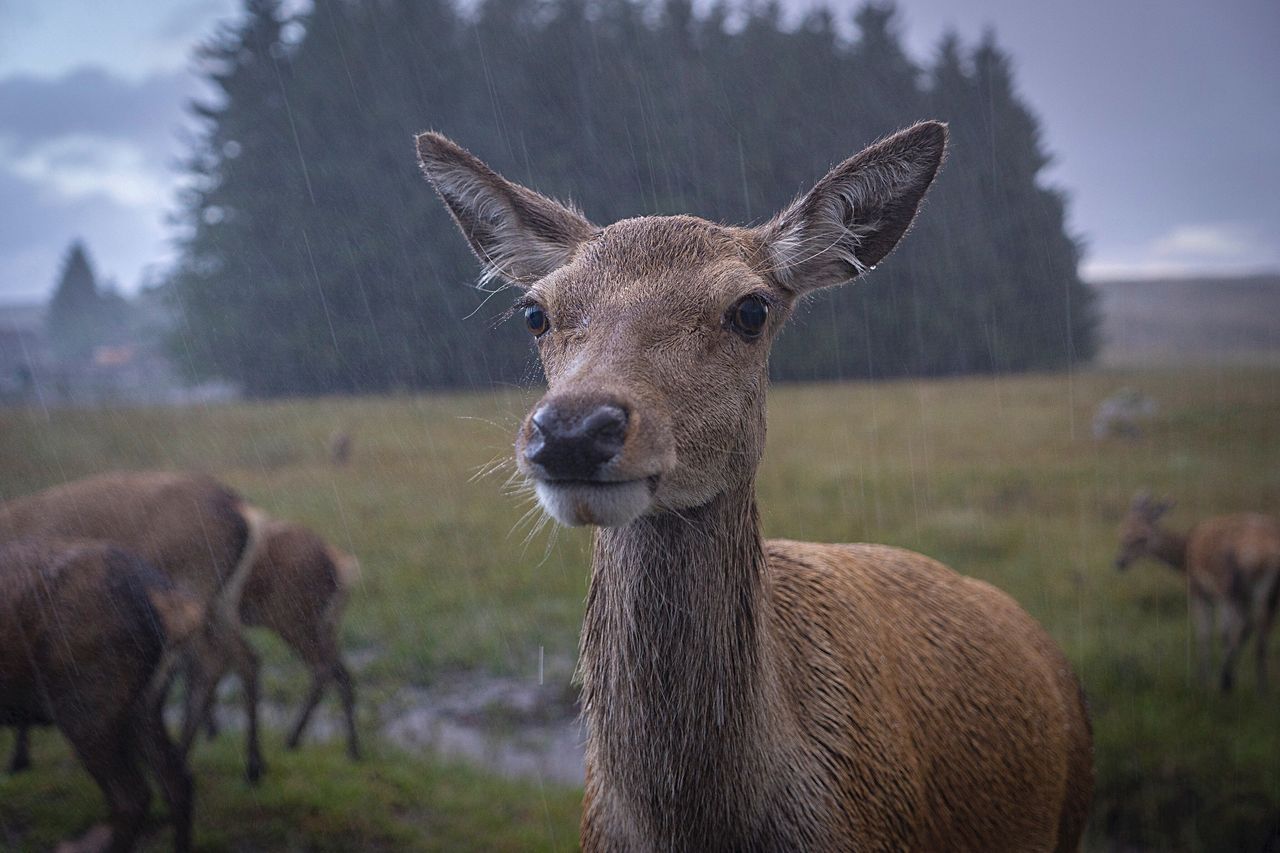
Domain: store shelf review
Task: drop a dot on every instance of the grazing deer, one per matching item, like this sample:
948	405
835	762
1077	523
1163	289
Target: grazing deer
340	447
195	530
83	627
743	693
298	587
1232	564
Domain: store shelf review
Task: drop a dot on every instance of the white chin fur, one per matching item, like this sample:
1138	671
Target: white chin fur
606	504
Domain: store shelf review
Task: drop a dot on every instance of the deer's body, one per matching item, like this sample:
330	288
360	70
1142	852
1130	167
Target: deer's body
820	697
298	588
1235	558
744	695
83	627
1232	567
195	530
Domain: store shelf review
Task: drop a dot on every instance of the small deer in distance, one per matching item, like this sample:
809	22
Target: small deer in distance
1232	568
298	588
748	694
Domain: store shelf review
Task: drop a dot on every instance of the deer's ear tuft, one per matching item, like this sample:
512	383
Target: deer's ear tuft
518	235
857	213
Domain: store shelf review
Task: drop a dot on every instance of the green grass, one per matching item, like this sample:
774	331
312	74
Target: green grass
997	476
313	800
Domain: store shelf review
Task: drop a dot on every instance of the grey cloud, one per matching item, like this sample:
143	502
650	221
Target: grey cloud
92	101
36	227
37	221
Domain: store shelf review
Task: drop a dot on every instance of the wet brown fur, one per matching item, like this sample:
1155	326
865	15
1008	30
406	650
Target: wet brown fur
298	588
1232	567
83	627
753	695
191	527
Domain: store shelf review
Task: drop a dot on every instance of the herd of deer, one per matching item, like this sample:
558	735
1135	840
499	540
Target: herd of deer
112	586
740	693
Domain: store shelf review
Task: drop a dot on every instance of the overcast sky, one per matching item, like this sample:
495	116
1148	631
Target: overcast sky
1163	116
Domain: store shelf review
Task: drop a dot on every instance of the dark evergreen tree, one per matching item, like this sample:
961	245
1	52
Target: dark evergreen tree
316	260
81	316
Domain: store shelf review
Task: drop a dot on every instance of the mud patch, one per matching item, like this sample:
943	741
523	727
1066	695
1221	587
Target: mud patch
508	726
515	727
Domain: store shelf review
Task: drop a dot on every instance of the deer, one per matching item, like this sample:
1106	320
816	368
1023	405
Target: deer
1232	569
201	534
743	693
298	586
340	444
83	628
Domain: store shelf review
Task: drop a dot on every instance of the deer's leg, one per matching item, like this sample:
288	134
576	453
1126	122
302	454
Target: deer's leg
1202	621
202	677
347	690
211	722
1234	622
21	759
109	756
194	703
321	652
1267	601
169	769
245	662
320	676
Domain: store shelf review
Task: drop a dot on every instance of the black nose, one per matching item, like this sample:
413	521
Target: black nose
571	440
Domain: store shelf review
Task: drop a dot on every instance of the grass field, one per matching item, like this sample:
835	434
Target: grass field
997	476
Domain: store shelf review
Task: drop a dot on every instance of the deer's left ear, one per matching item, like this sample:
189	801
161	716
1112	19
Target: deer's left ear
856	214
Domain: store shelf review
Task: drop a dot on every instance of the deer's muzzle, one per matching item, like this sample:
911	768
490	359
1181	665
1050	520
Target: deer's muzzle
573	447
575	440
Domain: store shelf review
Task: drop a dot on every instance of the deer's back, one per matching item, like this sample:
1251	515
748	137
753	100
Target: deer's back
940	714
188	525
1227	555
293	583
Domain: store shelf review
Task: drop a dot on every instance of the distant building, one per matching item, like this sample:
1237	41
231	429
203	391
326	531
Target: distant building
134	373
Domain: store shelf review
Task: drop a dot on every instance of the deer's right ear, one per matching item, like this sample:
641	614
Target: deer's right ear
517	234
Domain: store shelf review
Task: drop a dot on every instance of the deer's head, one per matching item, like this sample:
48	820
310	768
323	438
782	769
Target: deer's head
1140	528
654	333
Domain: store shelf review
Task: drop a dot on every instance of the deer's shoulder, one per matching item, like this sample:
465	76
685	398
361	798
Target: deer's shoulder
862	596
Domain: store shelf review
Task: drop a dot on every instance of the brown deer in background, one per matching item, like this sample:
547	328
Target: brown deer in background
83	627
1232	567
340	444
744	693
298	588
195	530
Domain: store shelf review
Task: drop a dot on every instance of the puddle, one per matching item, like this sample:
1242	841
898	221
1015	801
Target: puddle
514	727
509	727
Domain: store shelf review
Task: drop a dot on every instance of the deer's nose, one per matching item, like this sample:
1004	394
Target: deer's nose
572	440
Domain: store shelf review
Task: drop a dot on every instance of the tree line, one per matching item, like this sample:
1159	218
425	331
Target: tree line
315	259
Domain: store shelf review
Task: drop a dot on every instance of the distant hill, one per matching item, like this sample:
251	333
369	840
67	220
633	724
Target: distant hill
1191	321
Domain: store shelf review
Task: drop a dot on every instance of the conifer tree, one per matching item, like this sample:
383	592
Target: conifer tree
81	316
316	260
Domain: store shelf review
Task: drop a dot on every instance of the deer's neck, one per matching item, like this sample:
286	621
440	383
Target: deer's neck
680	688
1171	548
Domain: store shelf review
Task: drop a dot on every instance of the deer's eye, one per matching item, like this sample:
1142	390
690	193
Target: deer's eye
748	316
537	321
